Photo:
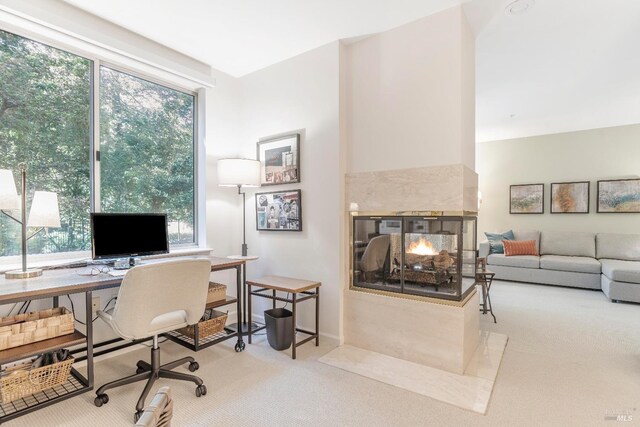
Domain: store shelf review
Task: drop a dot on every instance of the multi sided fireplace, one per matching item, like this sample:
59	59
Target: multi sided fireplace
430	256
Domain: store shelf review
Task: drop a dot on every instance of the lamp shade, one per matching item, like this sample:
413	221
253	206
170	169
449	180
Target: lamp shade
9	198
44	210
238	172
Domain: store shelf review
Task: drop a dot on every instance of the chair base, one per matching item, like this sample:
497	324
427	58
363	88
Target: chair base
151	372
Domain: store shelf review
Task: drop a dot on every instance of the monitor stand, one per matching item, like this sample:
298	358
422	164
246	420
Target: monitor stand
126	263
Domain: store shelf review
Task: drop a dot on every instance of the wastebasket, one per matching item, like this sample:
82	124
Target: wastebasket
279	323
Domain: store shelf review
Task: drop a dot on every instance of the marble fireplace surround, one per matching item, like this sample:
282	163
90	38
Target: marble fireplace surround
418	337
448	188
446	334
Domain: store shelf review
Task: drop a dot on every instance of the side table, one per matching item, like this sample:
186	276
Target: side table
300	290
484	278
244	323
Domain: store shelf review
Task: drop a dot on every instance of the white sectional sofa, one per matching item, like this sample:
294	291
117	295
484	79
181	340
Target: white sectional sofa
610	262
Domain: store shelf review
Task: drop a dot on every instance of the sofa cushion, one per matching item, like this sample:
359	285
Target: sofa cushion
523	261
576	264
568	243
495	241
621	271
618	246
528	235
519	247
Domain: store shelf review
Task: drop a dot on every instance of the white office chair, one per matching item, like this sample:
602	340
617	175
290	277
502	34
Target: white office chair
154	299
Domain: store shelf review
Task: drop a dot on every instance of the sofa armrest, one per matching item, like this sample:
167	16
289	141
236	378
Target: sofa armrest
484	249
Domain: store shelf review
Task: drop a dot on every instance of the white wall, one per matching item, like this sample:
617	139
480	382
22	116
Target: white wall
590	155
410	95
300	94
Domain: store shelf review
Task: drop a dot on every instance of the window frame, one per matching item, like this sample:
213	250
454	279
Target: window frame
96	62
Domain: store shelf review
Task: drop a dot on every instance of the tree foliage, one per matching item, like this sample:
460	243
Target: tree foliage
146	133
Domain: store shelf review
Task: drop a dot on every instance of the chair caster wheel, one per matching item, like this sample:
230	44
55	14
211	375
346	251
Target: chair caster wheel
137	416
201	390
100	400
139	370
194	366
240	346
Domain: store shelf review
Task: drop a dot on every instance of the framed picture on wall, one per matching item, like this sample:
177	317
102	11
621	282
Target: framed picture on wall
279	211
570	197
526	199
279	159
619	196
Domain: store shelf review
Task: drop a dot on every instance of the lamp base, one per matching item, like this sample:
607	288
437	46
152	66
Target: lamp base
19	274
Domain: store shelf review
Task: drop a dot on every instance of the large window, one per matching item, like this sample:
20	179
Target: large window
146	146
146	138
45	123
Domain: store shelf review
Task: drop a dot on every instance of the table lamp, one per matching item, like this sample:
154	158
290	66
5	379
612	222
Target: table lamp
44	213
239	173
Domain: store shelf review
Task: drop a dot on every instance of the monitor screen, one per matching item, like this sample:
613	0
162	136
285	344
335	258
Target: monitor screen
126	235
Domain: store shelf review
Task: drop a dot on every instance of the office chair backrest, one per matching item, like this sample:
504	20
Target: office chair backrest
160	297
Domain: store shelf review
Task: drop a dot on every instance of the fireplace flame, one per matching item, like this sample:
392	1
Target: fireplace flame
421	247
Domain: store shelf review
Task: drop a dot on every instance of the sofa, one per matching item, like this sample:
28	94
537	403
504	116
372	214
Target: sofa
605	261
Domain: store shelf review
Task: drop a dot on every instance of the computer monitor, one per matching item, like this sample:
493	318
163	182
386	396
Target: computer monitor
120	235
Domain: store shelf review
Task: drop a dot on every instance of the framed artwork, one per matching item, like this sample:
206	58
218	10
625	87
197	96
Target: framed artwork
526	199
570	197
279	160
279	211
619	196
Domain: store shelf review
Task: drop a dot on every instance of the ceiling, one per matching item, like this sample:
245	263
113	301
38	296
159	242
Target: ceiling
563	65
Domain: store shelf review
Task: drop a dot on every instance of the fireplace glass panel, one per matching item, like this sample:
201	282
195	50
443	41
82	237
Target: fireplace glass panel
428	256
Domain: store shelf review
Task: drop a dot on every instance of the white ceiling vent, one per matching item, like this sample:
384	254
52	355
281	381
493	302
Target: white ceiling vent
519	7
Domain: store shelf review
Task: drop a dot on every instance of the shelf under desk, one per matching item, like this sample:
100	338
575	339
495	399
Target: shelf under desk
45	346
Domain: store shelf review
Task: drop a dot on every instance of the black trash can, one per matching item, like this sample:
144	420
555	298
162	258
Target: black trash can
279	322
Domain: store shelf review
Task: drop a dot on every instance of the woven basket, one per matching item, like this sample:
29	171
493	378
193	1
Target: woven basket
206	327
20	380
33	327
217	292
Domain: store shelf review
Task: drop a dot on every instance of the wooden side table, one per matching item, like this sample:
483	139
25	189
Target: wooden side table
484	278
300	290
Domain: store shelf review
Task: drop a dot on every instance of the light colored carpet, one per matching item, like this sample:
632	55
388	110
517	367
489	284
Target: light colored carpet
572	358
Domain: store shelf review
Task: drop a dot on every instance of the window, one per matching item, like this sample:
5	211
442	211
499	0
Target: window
44	123
146	150
146	141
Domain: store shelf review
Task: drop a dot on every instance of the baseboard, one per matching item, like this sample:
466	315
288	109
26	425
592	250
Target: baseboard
330	337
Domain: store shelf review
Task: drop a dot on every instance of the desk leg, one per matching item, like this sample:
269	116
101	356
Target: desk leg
317	316
239	289
293	312
243	318
274	300
89	333
250	323
56	302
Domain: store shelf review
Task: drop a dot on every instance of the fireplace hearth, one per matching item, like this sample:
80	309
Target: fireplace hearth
430	256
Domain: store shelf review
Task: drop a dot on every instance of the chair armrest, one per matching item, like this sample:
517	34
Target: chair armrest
484	249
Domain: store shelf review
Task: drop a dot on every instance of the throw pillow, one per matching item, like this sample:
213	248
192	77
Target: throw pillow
519	247
495	241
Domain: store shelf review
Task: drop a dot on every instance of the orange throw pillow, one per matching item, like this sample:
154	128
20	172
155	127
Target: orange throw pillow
519	247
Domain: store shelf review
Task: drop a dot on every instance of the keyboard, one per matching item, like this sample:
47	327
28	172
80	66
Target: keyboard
117	273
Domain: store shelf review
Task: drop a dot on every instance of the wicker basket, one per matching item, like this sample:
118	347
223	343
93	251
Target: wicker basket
217	292
20	380
206	327
33	327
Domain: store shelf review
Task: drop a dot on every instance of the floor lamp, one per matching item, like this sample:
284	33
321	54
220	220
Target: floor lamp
240	173
44	213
